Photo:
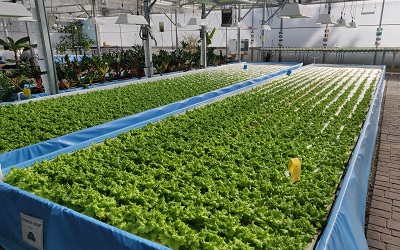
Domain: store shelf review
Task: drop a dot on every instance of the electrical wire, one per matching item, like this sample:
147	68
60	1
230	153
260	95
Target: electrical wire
351	10
343	13
276	13
269	11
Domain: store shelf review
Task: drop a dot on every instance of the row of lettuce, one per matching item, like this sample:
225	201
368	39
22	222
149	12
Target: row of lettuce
30	123
214	178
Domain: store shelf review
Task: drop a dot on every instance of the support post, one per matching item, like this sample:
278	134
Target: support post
380	25
45	52
5	27
28	34
172	32
176	29
263	53
263	23
238	42
226	41
394	59
96	29
281	30
146	41
203	49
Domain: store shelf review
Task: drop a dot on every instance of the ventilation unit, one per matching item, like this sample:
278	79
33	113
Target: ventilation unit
228	17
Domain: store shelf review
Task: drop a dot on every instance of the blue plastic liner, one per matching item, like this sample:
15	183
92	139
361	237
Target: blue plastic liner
49	149
345	227
65	229
14	96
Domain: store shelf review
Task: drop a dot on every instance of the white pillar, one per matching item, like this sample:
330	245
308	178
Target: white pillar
45	52
203	49
238	42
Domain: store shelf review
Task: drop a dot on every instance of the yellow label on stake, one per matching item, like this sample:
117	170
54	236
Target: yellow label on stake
27	92
295	169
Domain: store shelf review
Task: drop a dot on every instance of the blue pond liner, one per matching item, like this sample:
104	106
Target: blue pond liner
14	97
345	227
49	149
64	228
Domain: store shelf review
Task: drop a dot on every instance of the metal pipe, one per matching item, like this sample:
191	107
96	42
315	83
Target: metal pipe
50	78
28	35
172	32
176	29
252	36
263	23
251	8
146	41
380	25
80	6
5	27
323	53
203	49
96	29
380	20
212	8
226	41
281	29
238	42
170	19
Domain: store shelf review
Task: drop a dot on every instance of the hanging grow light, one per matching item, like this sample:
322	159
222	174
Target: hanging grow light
294	10
340	23
131	19
13	10
239	25
181	25
265	27
326	19
197	21
352	24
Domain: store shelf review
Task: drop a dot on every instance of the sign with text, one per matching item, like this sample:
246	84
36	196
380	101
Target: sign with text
32	231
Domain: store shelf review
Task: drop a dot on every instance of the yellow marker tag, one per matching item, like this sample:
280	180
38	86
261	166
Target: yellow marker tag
27	92
295	169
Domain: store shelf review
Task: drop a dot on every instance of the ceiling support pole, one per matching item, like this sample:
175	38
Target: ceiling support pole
96	29
238	42
203	36
380	25
146	40
45	52
176	29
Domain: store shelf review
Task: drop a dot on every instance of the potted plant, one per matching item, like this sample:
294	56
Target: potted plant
101	67
135	60
30	71
6	88
162	61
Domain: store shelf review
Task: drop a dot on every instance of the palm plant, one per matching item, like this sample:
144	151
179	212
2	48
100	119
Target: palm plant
16	45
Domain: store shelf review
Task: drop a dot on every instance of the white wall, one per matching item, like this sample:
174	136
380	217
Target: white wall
297	32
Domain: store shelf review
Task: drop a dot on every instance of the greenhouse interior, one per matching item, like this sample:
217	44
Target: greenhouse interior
199	124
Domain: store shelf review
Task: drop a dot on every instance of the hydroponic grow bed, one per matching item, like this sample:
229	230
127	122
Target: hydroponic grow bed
33	122
216	176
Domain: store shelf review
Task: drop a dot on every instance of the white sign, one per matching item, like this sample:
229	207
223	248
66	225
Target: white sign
32	231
